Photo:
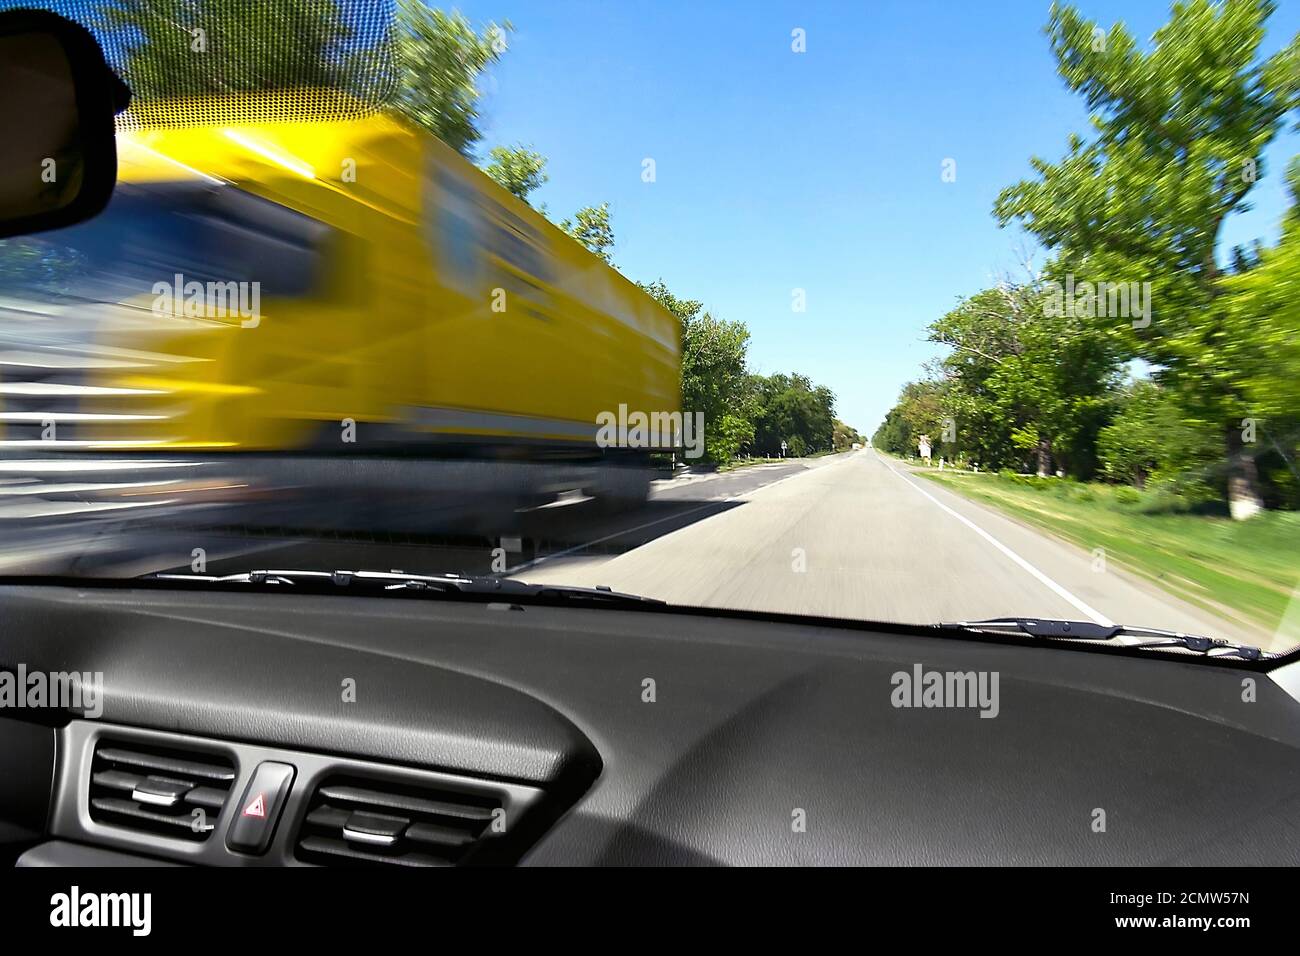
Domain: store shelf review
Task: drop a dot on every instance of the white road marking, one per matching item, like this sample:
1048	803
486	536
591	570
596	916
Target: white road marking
1087	609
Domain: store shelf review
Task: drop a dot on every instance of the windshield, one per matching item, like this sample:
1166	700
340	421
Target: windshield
869	311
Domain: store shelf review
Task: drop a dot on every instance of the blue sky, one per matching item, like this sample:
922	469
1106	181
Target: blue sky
819	170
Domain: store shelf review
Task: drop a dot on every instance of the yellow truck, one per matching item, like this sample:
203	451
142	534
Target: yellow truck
344	287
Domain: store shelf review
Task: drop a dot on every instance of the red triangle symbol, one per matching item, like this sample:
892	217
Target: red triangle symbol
257	808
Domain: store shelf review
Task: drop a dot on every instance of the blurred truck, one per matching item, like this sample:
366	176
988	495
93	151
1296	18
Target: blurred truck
329	288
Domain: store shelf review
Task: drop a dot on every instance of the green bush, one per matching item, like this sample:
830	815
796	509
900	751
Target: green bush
1125	495
1153	436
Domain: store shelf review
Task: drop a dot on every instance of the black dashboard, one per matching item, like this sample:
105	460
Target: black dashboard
428	732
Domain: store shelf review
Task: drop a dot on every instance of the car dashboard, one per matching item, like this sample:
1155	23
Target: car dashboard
285	729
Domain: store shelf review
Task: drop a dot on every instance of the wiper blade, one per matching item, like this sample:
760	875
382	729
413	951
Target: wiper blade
1090	631
381	582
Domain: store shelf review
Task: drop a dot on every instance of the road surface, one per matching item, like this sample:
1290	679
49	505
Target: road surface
858	536
852	535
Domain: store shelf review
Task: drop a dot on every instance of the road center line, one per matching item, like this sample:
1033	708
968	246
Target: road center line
1087	609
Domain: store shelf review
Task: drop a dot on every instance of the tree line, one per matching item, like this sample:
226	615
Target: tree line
746	413
1132	355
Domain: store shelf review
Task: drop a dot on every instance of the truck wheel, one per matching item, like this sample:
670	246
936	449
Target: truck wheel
623	489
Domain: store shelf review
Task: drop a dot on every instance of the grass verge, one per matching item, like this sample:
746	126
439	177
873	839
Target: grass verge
737	463
1237	569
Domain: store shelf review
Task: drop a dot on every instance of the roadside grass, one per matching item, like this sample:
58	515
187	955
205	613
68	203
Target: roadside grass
736	463
1244	570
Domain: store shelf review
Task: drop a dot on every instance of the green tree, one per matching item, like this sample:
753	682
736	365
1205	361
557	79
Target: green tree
1266	301
683	309
518	169
843	436
730	433
187	48
920	410
893	434
715	377
793	410
590	225
715	382
1152	438
1177	142
197	47
439	58
1024	384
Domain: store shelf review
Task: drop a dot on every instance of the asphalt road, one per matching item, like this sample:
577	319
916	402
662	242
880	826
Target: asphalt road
851	535
858	536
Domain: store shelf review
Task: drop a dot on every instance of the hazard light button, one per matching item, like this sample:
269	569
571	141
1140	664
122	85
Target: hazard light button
259	808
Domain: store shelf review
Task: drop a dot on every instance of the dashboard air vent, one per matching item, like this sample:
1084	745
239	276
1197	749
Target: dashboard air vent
174	793
353	821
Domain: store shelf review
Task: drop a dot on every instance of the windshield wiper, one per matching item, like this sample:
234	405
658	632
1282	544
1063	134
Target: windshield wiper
1090	631
387	582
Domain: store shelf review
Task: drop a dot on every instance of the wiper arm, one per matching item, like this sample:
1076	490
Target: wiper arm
1090	631
380	582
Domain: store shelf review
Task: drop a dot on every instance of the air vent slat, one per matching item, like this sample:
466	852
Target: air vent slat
129	808
410	804
117	780
163	791
209	798
433	834
405	821
349	853
372	827
151	761
329	817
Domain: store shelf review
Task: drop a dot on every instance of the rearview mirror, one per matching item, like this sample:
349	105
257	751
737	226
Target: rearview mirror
58	157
